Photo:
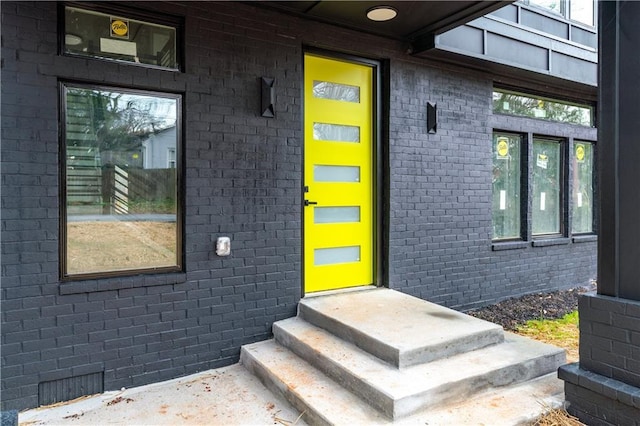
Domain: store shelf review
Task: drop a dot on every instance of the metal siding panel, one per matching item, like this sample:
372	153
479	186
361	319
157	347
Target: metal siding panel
464	38
545	24
516	52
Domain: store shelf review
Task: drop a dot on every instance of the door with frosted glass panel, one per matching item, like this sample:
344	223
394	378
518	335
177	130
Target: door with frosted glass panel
338	174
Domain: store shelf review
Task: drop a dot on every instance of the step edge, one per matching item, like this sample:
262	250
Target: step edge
492	335
401	405
310	413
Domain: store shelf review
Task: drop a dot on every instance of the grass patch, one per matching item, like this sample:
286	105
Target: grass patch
562	332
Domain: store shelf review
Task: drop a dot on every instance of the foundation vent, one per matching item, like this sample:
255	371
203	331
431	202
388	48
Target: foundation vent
70	388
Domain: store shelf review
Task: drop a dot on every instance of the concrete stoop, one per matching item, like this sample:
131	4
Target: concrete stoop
407	358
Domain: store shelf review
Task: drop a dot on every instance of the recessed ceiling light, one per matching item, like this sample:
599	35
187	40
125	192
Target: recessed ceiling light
72	39
382	13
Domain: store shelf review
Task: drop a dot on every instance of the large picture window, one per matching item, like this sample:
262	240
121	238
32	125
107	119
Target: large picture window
120	181
506	186
546	187
582	184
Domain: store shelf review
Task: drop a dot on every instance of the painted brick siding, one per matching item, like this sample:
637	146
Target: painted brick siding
610	337
440	197
243	180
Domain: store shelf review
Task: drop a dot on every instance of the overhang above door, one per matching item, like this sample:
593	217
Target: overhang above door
416	22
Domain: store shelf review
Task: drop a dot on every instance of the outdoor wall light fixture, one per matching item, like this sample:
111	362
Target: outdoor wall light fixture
432	118
382	13
268	99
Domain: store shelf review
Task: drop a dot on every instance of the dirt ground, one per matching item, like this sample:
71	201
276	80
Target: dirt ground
512	313
518	310
127	245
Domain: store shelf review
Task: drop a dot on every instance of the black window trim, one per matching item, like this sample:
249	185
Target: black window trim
585	236
524	190
176	22
180	184
564	183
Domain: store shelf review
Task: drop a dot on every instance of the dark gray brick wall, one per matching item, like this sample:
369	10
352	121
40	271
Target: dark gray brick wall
599	400
243	179
610	337
440	216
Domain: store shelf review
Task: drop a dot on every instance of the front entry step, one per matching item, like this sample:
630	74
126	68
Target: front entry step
326	371
400	329
398	393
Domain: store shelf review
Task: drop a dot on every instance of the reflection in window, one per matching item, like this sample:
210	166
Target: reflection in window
513	103
582	11
547	178
336	91
336	132
95	34
120	186
582	194
506	186
550	5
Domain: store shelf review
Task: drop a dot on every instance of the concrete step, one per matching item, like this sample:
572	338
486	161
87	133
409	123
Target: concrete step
321	400
324	402
398	393
397	328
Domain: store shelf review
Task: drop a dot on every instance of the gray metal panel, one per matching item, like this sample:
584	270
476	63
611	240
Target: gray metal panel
520	47
517	52
573	68
464	38
582	36
544	23
508	13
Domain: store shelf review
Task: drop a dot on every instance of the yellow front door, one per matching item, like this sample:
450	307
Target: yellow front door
338	174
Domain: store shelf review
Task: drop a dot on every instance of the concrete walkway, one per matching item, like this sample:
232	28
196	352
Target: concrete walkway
225	396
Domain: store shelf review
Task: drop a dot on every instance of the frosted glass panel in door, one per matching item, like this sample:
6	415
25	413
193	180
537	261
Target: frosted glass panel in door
336	173
336	132
336	91
336	215
330	256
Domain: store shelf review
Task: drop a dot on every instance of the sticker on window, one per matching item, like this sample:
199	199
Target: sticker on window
542	161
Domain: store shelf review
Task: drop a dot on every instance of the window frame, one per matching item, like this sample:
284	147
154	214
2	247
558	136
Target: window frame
594	191
543	98
524	190
175	22
563	215
180	183
565	11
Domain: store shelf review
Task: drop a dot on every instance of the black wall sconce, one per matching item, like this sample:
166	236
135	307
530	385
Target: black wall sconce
432	118
268	99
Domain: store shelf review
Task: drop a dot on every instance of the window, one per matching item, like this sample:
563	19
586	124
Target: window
551	5
546	187
514	103
120	198
506	186
117	36
582	184
582	11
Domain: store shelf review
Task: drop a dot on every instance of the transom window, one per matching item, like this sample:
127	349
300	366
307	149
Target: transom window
526	105
119	36
121	173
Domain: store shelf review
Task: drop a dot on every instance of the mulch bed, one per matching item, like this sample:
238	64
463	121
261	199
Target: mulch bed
518	310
